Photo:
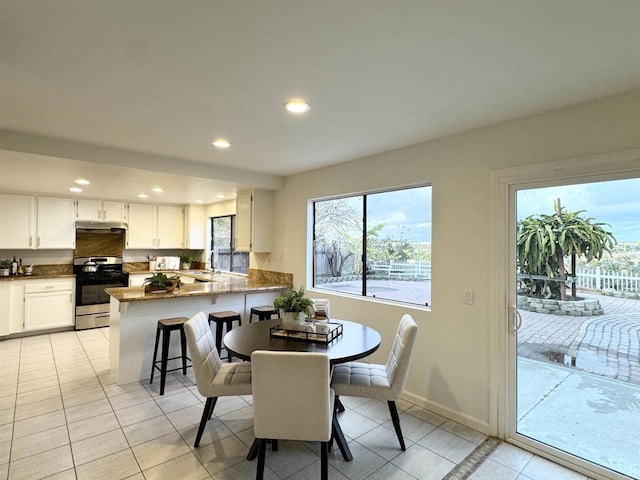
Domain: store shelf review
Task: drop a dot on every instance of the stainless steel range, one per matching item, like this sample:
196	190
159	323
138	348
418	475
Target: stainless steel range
93	275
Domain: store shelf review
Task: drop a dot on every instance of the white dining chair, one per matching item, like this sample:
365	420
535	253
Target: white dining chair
213	377
292	400
380	382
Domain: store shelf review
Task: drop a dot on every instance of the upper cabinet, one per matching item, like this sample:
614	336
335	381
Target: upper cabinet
155	226
253	221
55	223
17	217
36	222
195	224
101	210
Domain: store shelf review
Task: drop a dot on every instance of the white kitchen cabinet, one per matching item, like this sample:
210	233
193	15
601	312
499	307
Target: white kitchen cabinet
254	218
48	305
170	227
100	210
5	328
155	226
195	226
137	279
17	217
55	223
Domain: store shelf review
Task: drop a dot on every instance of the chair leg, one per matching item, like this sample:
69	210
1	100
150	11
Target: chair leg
262	447
324	461
338	405
274	445
336	432
393	410
206	415
155	352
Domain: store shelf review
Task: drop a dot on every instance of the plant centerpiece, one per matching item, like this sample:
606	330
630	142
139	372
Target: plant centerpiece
5	265
186	260
294	305
160	282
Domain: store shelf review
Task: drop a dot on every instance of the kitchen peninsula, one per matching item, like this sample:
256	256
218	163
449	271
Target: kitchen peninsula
134	314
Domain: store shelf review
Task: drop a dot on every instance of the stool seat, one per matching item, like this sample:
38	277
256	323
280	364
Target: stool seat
264	312
166	326
223	319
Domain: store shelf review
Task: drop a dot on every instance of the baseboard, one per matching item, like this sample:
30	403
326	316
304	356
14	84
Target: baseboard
462	418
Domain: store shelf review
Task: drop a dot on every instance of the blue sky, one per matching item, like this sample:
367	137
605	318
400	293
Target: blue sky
615	202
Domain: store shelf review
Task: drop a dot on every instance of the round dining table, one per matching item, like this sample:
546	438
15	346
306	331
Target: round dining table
355	342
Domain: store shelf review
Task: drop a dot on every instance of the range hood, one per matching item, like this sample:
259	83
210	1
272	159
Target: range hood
104	226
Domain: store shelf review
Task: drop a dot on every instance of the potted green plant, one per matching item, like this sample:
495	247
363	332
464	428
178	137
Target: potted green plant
294	305
185	261
5	265
160	282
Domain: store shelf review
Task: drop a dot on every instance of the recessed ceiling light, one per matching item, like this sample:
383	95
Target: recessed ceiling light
143	195
199	201
157	189
82	181
75	189
221	143
219	196
297	106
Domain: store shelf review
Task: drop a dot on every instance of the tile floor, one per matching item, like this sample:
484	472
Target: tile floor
63	417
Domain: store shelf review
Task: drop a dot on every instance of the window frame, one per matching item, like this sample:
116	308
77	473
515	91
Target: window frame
363	260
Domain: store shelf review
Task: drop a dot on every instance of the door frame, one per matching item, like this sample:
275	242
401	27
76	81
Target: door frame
503	186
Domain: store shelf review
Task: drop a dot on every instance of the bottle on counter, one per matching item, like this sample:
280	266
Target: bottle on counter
14	266
20	271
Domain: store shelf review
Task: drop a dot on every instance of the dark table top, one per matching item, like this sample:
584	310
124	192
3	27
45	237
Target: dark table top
355	342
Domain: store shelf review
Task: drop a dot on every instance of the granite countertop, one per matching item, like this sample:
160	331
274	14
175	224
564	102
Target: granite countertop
39	276
222	284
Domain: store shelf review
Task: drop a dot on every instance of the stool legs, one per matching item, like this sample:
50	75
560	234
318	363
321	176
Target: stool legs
165	358
155	352
183	346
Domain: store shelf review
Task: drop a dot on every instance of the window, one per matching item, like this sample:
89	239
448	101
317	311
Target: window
375	245
223	255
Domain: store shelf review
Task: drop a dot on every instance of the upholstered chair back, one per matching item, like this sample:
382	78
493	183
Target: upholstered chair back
202	349
400	356
292	399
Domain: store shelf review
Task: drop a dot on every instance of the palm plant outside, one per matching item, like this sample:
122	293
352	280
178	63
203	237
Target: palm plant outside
544	241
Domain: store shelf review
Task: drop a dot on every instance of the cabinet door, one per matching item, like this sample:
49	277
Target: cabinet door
261	221
142	226
195	226
170	227
89	210
114	211
56	223
243	222
5	328
17	216
48	310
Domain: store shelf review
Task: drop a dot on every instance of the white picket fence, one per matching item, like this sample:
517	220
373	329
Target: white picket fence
597	279
419	270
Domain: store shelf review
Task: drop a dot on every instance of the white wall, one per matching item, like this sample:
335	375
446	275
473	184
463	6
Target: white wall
450	370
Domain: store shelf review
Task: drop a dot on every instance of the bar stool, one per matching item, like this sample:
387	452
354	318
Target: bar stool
166	326
223	319
265	312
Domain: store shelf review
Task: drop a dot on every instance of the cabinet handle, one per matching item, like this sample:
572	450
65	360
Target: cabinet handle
38	243
99	214
48	287
30	241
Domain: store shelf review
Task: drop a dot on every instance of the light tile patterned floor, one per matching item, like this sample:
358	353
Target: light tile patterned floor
63	417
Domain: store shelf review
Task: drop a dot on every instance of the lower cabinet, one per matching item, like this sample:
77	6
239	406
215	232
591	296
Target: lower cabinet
48	305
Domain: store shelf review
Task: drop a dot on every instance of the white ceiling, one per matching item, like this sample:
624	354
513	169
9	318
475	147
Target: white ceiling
148	84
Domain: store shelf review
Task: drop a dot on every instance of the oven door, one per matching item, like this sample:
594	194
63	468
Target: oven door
92	303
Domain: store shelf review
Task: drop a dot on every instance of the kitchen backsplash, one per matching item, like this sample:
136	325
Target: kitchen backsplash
92	244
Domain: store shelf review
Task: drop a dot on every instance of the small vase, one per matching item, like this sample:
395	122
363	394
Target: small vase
292	320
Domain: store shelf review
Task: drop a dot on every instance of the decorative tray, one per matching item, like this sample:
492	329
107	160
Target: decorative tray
335	329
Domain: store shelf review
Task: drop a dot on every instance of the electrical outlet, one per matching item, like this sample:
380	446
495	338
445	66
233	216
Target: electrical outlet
467	296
